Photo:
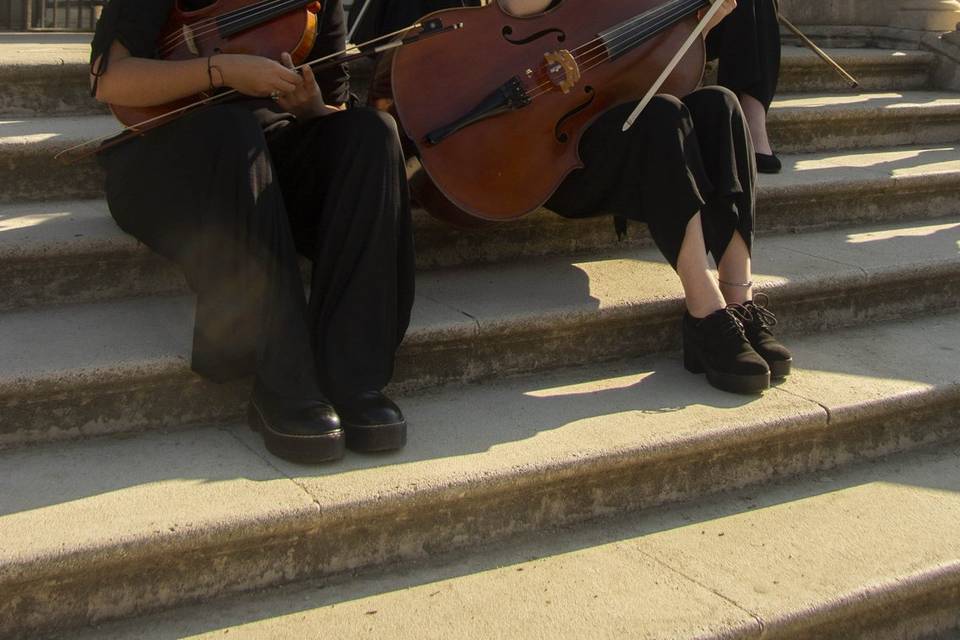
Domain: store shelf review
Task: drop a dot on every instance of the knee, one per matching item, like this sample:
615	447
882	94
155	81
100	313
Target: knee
666	107
372	127
230	128
714	99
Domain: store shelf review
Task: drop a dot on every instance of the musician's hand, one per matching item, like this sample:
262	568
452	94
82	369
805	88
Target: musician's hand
305	101
255	75
725	10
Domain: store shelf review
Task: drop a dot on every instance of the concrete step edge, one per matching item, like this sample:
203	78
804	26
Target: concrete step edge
28	145
467	327
55	81
72	252
803	434
653	571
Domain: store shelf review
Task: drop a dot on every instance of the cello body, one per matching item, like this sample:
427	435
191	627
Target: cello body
498	110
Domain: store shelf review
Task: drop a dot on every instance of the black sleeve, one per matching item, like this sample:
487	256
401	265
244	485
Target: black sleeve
332	38
136	24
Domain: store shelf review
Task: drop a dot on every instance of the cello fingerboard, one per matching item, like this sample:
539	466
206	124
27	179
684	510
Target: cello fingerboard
630	34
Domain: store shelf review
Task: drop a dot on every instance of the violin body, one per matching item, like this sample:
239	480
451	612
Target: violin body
265	28
497	111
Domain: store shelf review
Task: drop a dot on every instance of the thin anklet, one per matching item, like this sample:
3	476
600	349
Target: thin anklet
744	285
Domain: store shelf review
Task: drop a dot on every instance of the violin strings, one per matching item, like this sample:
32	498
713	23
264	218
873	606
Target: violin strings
205	33
635	35
632	36
177	37
223	94
216	24
201	27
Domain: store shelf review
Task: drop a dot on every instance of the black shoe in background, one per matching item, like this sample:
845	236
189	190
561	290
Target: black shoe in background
372	422
717	345
768	163
777	356
299	430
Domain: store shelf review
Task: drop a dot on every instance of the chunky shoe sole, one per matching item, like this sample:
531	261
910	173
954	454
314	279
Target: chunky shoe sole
324	447
374	438
747	385
780	369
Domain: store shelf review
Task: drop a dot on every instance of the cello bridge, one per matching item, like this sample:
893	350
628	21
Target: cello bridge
562	69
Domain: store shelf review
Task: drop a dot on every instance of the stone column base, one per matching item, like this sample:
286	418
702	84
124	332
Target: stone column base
927	15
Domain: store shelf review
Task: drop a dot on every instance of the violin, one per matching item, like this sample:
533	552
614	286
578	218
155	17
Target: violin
265	28
498	112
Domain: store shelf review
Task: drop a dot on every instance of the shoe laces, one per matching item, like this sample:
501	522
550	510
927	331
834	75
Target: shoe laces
731	320
758	309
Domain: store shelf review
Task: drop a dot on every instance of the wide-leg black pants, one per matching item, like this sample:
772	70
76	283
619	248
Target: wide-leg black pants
747	47
682	157
232	208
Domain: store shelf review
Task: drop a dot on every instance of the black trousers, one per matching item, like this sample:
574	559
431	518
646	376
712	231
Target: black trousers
232	207
747	46
681	157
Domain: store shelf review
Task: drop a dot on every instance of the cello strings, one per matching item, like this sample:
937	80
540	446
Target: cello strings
632	24
635	35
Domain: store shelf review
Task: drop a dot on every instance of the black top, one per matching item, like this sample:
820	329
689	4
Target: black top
137	24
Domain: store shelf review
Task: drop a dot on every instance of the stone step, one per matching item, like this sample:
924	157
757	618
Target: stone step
114	528
801	71
85	370
47	74
69	252
798	124
865	552
806	123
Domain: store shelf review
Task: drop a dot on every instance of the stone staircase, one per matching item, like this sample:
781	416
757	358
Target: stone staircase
539	395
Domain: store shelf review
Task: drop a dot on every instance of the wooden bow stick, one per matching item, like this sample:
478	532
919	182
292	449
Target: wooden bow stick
854	83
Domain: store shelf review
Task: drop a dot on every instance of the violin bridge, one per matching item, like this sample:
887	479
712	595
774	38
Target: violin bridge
562	69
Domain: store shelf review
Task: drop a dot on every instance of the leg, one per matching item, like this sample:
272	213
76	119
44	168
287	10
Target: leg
351	216
202	193
757	121
657	173
727	155
728	216
736	279
699	286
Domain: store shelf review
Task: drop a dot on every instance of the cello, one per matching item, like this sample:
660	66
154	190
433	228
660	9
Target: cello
497	114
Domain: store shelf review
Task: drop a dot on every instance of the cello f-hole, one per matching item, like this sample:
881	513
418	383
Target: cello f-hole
561	136
508	31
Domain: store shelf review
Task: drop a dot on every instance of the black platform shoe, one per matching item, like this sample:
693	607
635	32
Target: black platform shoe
761	320
306	431
717	345
372	422
768	163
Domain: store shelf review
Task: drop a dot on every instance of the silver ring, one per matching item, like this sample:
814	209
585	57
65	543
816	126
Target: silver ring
274	95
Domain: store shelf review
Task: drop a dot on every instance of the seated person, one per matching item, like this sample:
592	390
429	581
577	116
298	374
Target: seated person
687	170
747	44
233	192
